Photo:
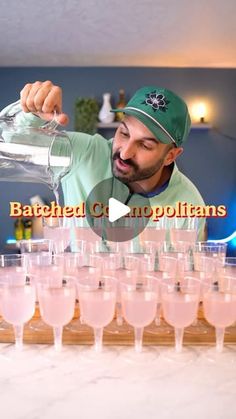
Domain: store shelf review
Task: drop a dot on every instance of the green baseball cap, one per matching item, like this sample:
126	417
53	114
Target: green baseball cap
163	112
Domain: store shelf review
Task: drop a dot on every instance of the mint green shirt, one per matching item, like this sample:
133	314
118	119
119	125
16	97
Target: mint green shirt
92	164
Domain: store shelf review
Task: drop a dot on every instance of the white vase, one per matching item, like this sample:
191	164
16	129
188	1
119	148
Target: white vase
105	115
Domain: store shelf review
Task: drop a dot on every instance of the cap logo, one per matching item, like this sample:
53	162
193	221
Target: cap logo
156	101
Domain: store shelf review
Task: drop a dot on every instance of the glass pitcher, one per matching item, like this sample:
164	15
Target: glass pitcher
32	154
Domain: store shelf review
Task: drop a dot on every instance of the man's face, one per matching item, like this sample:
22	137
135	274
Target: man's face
136	154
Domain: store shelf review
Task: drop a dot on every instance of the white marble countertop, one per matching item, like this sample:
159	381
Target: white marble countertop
39	383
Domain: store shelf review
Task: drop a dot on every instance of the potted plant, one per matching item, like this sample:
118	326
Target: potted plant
86	115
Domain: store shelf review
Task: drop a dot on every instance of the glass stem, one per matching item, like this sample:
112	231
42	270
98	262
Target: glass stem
138	335
220	334
179	334
57	333
195	322
158	315
18	331
98	335
119	317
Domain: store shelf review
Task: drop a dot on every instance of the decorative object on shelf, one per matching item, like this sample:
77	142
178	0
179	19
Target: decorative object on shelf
120	104
105	115
201	126
112	125
19	229
86	115
27	229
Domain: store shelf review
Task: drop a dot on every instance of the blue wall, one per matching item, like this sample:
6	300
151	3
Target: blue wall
209	157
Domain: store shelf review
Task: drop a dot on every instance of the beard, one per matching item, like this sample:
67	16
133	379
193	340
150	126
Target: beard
136	173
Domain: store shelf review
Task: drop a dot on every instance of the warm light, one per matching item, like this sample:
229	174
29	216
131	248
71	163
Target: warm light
199	112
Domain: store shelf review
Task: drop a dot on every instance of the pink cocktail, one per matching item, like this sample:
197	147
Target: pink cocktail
57	305
219	304
60	237
139	297
215	250
179	309
153	234
182	235
180	305
87	233
11	266
139	308
17	302
97	296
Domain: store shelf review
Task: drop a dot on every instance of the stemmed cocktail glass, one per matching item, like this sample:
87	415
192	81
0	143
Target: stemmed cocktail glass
164	269
126	267
219	305
139	297
204	271
60	231
180	305
228	267
79	265
14	264
97	297
215	250
57	304
183	231
182	252
154	231
43	264
17	301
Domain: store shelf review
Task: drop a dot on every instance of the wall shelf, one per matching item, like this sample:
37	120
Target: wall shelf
113	125
201	125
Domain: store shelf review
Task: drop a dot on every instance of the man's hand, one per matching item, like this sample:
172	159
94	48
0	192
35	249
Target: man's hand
43	99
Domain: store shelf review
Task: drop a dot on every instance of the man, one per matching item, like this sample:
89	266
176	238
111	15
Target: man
141	157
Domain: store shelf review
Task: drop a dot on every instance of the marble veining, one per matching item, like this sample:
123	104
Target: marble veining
40	383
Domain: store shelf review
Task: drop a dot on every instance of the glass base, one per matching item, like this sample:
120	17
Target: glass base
38	325
114	329
162	328
11	352
187	355
231	330
148	354
75	326
226	357
51	354
198	328
4	325
105	354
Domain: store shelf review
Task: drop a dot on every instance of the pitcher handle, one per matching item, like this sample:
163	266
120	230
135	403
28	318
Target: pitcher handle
53	124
